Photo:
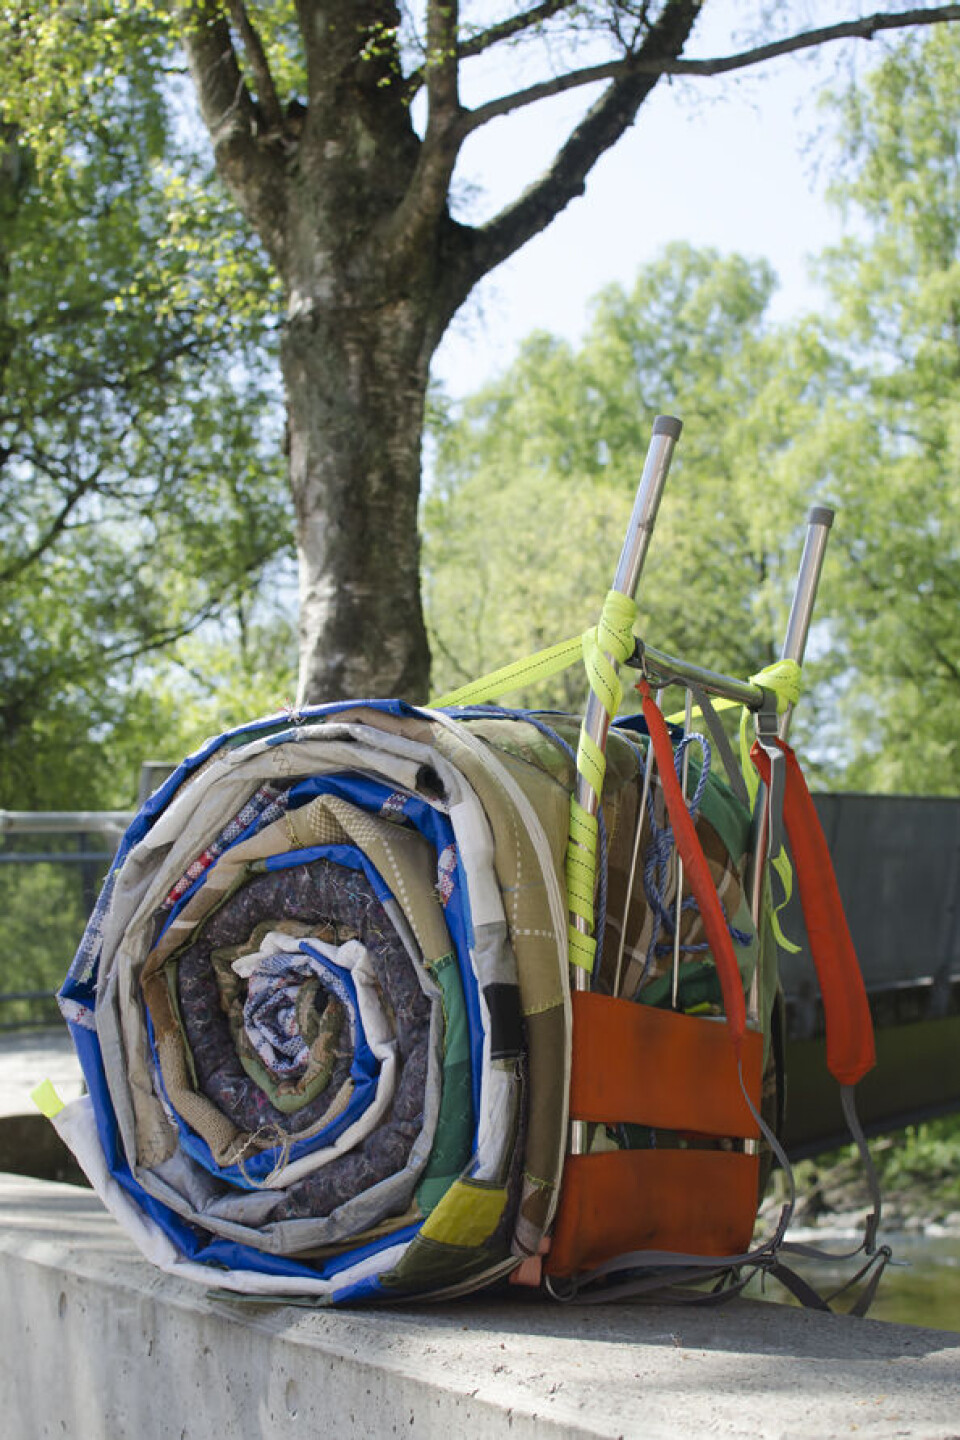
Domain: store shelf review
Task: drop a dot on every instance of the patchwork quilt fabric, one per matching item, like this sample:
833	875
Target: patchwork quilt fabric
322	1006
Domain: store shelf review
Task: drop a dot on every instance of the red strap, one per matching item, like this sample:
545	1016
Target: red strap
850	1048
697	870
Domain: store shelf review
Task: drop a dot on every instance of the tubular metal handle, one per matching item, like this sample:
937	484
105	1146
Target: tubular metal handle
666	432
819	521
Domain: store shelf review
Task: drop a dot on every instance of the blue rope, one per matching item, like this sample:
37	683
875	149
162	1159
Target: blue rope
657	861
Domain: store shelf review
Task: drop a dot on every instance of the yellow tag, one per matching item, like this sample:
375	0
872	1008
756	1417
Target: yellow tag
46	1099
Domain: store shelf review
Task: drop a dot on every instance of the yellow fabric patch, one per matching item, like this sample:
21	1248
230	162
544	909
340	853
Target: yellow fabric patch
46	1099
467	1215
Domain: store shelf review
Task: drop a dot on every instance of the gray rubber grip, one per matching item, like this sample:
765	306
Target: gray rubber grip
821	515
667	425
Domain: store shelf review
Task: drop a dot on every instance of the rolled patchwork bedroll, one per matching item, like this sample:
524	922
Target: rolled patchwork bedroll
323	1005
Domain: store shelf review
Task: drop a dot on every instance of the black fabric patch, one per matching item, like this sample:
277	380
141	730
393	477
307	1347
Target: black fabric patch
506	1021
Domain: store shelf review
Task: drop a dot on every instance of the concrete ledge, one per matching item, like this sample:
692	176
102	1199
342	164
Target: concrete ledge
29	1145
96	1343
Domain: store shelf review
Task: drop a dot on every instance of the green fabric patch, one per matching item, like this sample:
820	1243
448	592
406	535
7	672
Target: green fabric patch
453	1141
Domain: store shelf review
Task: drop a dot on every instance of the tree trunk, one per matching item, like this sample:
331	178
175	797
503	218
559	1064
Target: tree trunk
352	205
356	377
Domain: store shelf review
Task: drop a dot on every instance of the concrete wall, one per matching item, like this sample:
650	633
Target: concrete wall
97	1345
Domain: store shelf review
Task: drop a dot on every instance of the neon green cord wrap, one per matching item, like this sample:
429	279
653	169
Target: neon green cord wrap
783	678
613	638
528	671
781	864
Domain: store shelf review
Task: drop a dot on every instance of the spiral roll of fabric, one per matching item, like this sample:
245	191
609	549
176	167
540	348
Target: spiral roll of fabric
322	1006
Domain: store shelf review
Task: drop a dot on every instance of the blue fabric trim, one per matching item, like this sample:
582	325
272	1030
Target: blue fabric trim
217	1253
346	855
342	1263
436	828
364	1072
188	1239
252	829
369	1289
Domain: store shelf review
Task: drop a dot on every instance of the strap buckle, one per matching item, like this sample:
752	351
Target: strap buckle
767	726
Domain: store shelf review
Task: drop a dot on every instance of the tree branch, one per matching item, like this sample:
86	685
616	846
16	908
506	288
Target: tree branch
253	172
481	250
507	29
267	97
427	194
442	70
628	65
558	84
475	252
57	525
482	40
863	29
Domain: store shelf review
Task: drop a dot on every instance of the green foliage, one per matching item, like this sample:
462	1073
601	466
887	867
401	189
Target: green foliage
859	409
44	908
890	439
926	1156
536	479
918	1169
61	60
142	492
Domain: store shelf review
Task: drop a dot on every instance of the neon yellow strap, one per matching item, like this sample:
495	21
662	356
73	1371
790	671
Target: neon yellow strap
528	671
46	1099
781	864
783	678
612	637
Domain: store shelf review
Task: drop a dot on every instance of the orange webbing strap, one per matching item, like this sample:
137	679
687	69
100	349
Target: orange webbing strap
697	870
641	1065
621	1201
850	1046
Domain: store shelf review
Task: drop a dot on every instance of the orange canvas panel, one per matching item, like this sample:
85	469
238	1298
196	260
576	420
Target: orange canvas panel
635	1063
698	1202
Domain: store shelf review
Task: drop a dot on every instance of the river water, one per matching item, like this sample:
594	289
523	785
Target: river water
922	1288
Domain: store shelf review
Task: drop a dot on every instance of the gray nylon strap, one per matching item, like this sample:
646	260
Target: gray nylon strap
767	732
848	1102
721	744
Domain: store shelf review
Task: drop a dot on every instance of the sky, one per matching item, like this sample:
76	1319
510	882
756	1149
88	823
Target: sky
739	162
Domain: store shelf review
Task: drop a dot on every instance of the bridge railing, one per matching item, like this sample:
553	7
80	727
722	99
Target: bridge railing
52	864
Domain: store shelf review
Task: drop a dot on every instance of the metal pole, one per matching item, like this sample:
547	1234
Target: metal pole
56	822
819	522
685	773
634	858
666	433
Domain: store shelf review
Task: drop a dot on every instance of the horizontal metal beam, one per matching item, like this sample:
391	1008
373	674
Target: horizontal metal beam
666	669
55	857
915	1078
51	822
